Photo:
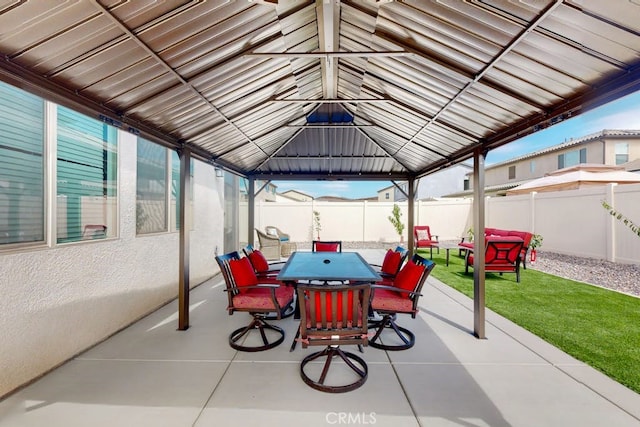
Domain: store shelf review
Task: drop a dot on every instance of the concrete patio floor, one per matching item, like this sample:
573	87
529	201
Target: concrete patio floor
150	374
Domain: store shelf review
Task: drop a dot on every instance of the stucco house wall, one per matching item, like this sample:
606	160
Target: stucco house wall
58	301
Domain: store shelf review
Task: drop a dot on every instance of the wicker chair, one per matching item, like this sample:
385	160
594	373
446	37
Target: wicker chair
286	245
272	230
332	316
270	246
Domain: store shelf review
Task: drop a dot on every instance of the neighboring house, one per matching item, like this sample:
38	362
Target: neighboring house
296	195
438	184
444	182
607	147
387	194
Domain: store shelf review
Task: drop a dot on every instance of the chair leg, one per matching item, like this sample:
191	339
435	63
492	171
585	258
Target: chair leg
295	340
357	365
407	337
261	325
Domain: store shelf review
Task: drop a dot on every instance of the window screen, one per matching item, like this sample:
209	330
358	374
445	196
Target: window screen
21	166
151	188
86	167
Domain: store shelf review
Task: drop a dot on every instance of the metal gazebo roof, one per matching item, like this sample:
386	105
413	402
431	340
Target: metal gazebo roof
308	89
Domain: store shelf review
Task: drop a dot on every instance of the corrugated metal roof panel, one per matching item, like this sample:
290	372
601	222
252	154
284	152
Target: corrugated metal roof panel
214	74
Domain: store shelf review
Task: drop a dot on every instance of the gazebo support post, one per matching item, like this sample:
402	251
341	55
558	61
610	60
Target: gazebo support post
478	244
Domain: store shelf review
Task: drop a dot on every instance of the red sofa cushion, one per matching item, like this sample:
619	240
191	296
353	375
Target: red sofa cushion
502	238
524	235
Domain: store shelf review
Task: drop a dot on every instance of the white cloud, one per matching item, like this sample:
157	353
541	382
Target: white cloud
629	119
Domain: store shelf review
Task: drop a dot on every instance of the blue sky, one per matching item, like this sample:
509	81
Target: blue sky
621	114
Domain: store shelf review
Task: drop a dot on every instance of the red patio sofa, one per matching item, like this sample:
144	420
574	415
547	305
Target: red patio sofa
524	235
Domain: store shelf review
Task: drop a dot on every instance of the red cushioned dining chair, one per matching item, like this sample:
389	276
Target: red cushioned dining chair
332	316
399	298
246	293
424	239
326	246
391	264
262	267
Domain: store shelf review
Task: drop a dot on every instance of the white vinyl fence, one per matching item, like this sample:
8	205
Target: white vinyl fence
571	222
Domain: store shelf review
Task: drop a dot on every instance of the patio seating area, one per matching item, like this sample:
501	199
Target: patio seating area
150	374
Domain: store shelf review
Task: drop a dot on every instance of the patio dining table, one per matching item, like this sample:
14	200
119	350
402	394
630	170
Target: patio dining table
327	267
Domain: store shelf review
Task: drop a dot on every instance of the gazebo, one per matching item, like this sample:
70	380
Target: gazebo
361	90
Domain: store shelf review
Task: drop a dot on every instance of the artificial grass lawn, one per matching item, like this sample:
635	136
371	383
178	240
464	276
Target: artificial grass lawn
597	326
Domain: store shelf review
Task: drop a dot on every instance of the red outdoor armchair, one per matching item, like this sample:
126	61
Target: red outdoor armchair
502	255
424	239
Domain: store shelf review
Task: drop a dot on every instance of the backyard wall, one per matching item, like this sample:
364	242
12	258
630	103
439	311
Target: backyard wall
56	302
571	222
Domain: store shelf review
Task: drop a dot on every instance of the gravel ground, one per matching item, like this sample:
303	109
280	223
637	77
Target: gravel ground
620	277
